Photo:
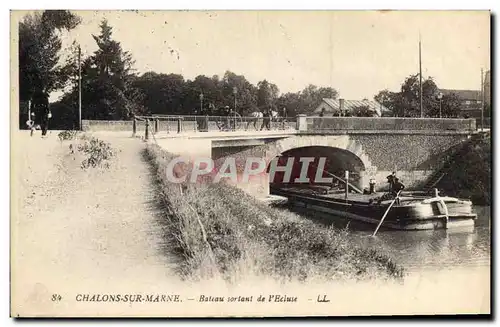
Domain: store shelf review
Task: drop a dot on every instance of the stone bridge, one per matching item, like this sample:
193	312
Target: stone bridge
367	147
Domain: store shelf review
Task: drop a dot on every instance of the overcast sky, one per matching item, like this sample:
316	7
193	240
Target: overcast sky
357	53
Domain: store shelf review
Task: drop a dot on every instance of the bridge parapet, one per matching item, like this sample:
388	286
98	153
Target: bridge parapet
300	124
392	124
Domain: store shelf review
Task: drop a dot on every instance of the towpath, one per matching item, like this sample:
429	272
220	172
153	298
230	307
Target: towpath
90	230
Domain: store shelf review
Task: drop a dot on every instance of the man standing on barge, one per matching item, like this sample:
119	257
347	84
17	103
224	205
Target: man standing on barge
391	179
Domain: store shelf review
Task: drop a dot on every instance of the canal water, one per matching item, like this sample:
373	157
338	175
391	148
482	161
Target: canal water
424	250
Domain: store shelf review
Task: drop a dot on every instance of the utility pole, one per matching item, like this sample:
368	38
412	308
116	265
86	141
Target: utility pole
420	74
482	101
79	88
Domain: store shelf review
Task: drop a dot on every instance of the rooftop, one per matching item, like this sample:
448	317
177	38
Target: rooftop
352	104
464	94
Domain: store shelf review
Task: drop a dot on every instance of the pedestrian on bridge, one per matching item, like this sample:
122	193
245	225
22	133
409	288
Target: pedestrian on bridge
202	120
266	121
283	118
319	125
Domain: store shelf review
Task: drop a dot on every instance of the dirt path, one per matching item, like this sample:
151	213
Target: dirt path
94	229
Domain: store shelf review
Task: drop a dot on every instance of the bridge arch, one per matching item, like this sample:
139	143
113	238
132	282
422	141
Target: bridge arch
342	142
341	154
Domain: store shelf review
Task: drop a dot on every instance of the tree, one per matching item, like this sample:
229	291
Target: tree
363	111
311	96
39	46
171	94
267	95
308	99
209	87
108	80
406	103
305	101
290	101
410	93
246	93
450	106
392	101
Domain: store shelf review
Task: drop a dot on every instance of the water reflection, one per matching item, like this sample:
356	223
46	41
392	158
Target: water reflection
421	250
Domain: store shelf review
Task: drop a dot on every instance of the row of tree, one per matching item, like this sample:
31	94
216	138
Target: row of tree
406	102
112	90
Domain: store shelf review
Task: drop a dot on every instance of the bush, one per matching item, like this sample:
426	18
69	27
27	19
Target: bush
470	176
97	151
363	111
67	135
218	230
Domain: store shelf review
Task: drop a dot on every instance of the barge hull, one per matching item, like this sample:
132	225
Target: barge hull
399	218
434	223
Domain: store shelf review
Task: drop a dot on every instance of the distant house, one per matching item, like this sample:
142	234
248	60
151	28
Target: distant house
470	101
337	106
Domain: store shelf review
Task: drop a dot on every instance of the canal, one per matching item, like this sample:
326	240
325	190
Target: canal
423	250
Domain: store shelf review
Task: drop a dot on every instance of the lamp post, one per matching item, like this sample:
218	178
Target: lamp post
440	98
235	91
201	102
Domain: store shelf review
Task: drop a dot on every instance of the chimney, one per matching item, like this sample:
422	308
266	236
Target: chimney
341	105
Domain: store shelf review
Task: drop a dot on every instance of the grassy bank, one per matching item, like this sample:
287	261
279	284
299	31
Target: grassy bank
219	231
470	176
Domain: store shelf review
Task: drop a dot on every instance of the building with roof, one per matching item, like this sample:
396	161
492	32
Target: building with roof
471	102
471	99
338	107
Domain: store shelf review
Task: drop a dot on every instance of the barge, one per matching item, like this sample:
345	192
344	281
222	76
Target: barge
411	211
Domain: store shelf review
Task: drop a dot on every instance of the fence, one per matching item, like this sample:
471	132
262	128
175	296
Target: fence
183	124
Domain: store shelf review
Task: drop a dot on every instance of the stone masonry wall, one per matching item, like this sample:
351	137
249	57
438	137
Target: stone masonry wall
411	179
257	185
407	152
111	125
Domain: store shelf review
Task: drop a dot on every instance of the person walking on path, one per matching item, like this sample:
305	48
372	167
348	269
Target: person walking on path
42	110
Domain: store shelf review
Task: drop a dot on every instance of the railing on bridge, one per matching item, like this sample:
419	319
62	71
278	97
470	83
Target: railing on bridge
181	124
171	124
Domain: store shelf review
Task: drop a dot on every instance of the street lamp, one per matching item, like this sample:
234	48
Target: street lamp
233	118
201	102
440	98
235	91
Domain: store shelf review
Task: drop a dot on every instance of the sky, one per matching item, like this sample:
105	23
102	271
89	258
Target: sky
358	53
